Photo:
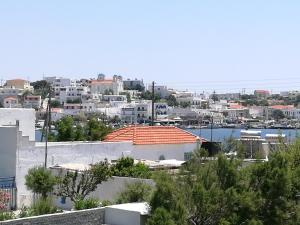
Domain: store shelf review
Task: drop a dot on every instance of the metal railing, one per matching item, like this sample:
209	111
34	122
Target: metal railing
8	186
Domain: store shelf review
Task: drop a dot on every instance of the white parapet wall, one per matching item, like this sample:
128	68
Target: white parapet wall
26	118
169	151
32	155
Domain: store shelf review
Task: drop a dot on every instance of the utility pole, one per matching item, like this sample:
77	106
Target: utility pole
48	126
211	128
153	99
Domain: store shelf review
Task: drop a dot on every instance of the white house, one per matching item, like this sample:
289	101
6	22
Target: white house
32	101
11	102
103	86
152	142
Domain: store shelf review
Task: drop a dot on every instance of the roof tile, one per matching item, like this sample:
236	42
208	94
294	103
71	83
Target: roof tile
146	135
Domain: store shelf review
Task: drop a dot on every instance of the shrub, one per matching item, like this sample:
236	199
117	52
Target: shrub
125	167
25	212
78	184
6	216
40	180
4	199
88	203
135	192
43	206
105	203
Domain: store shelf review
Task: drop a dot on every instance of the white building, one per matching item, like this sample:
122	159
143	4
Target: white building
133	84
289	111
19	84
70	93
32	101
11	102
141	111
104	86
74	108
160	90
114	98
9	92
60	81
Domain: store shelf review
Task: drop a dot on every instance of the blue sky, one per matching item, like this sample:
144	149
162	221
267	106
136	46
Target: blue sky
196	45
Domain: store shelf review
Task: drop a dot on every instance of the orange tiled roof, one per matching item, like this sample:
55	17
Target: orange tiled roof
281	107
262	92
236	106
149	135
10	98
101	81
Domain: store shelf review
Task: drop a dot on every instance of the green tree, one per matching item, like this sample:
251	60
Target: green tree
171	100
41	87
277	114
55	104
125	167
138	191
96	130
160	217
65	129
79	133
40	181
185	104
168	195
76	185
147	95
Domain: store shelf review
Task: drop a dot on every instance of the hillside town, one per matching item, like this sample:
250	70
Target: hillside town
149	112
105	149
129	101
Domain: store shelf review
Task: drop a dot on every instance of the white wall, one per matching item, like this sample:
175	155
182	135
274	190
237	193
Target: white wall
170	151
8	146
26	119
116	216
108	190
30	155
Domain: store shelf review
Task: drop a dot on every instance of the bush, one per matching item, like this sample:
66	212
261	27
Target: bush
6	216
4	199
125	168
88	203
43	206
40	181
135	192
26	212
160	217
105	203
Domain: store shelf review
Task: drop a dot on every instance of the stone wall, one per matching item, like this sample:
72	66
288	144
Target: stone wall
87	217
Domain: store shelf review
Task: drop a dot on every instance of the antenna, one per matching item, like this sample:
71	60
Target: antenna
153	99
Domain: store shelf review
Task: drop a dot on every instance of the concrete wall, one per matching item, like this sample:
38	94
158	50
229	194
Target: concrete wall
8	146
108	190
170	151
90	217
26	119
33	154
121	217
